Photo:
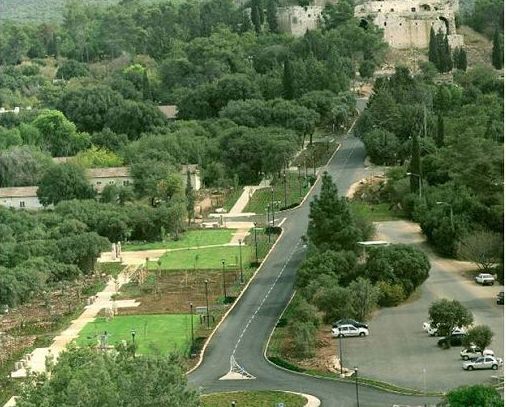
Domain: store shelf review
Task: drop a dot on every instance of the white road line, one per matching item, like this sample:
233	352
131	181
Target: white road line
281	223
265	297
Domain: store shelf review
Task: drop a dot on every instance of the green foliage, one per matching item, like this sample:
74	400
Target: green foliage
111	380
22	166
382	146
272	16
479	335
439	51
367	68
460	58
72	69
498	50
486	16
303	338
448	315
398	264
390	294
475	395
365	298
64	182
96	157
482	248
288	80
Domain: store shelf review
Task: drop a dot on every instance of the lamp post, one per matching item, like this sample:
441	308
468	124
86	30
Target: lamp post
207	303
356	384
451	213
284	181
341	353
191	327
419	182
268	224
256	242
224	285
240	259
132	332
272	205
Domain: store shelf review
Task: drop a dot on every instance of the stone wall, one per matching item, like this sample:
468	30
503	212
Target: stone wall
297	20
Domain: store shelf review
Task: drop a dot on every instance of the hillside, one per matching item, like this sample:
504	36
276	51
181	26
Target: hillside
39	10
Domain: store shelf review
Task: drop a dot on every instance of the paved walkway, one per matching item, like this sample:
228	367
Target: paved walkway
246	195
36	362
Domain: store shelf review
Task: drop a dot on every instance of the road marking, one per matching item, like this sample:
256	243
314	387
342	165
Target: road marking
281	223
265	297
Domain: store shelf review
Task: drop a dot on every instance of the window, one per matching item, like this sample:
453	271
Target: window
99	183
111	182
413	9
125	183
385	23
392	10
22	204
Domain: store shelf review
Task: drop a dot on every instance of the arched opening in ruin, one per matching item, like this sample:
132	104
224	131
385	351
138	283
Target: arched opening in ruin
425	7
447	24
364	23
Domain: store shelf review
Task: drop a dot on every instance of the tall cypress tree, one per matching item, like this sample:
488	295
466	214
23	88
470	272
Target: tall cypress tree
246	23
440	132
415	164
272	15
433	54
288	81
255	16
190	197
462	60
497	50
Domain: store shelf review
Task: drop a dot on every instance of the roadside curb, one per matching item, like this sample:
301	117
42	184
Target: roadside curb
206	343
312	401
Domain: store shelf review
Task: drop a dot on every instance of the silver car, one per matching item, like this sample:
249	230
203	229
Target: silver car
483	362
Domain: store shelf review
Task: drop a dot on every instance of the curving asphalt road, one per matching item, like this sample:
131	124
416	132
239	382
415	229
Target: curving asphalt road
244	333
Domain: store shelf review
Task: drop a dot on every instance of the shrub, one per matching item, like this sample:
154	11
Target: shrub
390	295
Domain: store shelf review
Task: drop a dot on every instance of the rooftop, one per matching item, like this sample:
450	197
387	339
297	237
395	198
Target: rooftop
18	192
107	172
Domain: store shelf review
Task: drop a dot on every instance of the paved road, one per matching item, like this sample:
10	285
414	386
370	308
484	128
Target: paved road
245	331
396	333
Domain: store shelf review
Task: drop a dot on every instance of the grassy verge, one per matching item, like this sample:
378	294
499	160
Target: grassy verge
296	189
253	399
111	269
191	238
153	333
375	212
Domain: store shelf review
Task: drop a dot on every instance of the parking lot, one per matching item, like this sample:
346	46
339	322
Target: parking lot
399	351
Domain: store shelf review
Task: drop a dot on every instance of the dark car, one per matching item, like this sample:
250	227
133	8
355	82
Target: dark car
356	324
500	298
455	339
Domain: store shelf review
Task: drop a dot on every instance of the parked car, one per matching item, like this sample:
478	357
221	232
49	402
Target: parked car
474	352
500	298
434	330
349	330
356	324
485	279
483	362
455	339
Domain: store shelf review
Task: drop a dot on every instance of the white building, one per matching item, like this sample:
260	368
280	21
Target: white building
101	177
20	197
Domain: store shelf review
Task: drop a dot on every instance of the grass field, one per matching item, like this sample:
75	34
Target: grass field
262	198
253	399
374	212
153	333
231	199
207	258
191	238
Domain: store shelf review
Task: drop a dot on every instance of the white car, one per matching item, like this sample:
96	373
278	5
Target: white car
474	352
485	279
483	362
433	330
349	330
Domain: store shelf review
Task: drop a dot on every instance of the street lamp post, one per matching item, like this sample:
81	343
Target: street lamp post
207	303
191	327
272	205
451	212
224	284
240	259
256	242
356	384
284	181
132	332
419	182
268	224
341	353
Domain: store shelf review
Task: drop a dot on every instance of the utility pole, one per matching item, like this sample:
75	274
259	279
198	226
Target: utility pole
191	325
256	242
284	180
224	285
240	259
207	304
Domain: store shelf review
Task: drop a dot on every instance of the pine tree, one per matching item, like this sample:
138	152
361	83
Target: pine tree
415	164
443	58
272	16
246	23
433	54
288	81
447	53
190	197
462	60
255	16
440	132
497	50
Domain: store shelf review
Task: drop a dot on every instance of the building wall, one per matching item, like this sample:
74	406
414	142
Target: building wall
297	20
407	24
30	202
100	183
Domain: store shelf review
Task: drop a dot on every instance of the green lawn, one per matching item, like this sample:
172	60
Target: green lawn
191	238
153	333
207	258
374	212
231	198
295	192
253	399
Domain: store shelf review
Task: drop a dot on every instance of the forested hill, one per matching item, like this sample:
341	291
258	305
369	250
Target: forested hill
40	10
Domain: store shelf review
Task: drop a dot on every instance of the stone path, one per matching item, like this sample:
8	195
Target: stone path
36	362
